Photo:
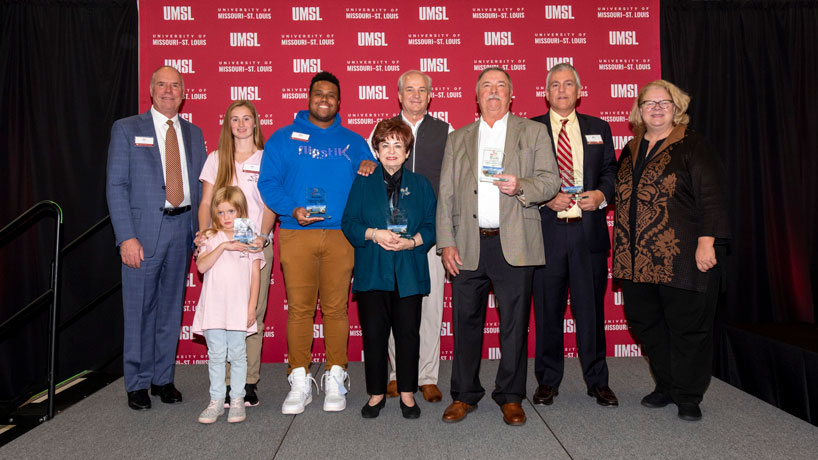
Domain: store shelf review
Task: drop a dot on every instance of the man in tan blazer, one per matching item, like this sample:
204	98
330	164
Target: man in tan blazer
495	172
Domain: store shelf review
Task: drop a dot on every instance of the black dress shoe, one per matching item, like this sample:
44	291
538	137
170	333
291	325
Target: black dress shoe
656	400
372	411
690	412
167	393
545	395
139	400
409	411
604	396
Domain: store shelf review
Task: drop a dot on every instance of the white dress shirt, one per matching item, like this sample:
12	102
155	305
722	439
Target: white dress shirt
488	195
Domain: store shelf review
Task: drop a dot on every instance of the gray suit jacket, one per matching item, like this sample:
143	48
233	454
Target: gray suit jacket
135	185
529	156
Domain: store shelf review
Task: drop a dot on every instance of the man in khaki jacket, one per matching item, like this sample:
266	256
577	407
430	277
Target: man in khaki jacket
495	172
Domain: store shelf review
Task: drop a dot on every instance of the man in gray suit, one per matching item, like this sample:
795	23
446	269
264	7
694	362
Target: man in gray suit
153	190
495	171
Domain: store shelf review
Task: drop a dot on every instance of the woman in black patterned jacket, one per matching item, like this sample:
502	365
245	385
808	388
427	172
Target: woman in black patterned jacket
669	230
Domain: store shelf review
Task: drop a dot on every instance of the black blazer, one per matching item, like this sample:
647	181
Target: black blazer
598	172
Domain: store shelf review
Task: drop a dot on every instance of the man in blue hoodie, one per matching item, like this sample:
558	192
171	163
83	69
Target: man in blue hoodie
306	173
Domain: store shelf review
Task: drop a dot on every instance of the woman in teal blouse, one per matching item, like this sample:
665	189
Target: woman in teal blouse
390	221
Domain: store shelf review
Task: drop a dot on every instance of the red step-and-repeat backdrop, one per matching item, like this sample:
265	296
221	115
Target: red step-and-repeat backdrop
267	52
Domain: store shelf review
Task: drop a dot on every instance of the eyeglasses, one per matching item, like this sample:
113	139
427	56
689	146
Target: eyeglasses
653	105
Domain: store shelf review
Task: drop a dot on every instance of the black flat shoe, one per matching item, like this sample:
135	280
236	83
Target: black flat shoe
139	400
409	411
167	393
656	400
372	411
690	412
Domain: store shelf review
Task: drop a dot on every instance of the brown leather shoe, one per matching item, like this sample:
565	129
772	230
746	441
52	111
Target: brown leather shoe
604	396
513	414
457	411
392	389
431	393
545	395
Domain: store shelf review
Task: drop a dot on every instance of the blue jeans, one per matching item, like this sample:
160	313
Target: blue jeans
223	344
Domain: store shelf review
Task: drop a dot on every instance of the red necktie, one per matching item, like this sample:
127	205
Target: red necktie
174	190
565	159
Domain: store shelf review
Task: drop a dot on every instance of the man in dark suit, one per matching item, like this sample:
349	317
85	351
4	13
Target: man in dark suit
154	161
494	173
576	242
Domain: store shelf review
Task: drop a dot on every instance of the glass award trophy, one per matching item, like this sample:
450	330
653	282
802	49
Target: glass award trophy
398	222
243	233
492	165
317	202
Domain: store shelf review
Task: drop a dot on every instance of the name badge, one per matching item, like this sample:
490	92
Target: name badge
140	141
300	136
593	138
251	168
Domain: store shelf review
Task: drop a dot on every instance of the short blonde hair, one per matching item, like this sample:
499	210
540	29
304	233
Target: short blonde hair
680	99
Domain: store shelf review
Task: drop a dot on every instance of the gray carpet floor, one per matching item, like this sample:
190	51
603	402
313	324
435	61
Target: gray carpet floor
735	426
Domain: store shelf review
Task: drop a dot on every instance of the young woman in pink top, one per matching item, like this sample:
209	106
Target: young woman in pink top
238	162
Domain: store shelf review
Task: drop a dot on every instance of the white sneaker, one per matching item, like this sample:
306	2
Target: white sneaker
237	413
211	412
300	391
335	384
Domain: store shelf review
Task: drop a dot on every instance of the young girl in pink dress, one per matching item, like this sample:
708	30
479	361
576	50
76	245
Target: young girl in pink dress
226	312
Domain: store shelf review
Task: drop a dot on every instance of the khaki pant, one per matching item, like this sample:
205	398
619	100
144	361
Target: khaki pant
430	321
253	342
316	261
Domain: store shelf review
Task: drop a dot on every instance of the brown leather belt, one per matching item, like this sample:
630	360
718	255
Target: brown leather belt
568	220
489	231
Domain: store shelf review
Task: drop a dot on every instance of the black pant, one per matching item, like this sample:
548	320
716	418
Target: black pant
569	263
675	327
470	289
382	311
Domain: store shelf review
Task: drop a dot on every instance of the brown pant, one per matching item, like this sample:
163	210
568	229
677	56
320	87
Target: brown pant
313	261
253	342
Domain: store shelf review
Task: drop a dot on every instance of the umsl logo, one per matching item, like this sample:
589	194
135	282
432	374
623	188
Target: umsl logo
497	39
177	13
617	295
622	37
440	116
182	65
372	39
624	90
558	12
432	13
248	93
568	326
244	39
619	144
446	329
623	350
185	333
434	65
318	331
376	92
552	61
189	117
306	65
191	281
494	352
307	13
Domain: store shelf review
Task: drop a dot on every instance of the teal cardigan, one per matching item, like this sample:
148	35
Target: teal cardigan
367	207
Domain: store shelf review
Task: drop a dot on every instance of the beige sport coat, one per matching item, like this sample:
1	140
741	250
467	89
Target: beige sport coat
528	155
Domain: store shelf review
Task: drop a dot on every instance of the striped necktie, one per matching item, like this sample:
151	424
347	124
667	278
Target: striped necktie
565	160
174	190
